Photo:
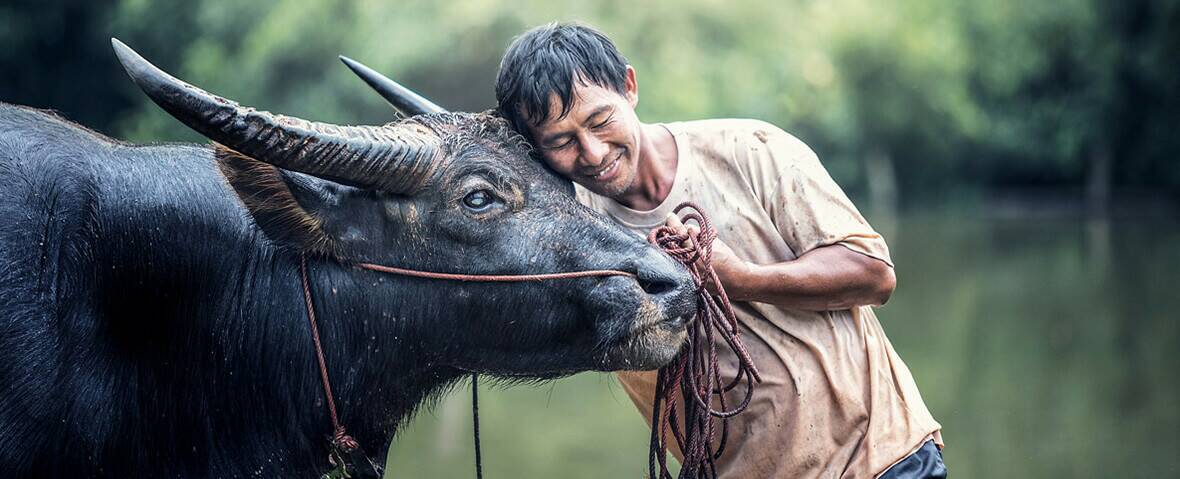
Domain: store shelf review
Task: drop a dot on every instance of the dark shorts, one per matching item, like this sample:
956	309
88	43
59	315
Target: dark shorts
924	463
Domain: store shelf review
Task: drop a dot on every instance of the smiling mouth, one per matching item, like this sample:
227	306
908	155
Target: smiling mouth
609	168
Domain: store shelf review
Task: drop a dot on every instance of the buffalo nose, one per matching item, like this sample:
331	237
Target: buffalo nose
660	276
656	286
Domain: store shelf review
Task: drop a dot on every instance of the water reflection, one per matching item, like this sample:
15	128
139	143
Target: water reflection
1044	346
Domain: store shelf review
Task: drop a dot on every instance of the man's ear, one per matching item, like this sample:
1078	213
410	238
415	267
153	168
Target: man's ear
631	87
280	202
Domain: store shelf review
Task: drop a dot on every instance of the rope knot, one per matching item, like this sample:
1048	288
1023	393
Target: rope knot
342	441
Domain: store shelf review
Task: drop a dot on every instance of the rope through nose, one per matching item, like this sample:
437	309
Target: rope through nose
344	443
493	278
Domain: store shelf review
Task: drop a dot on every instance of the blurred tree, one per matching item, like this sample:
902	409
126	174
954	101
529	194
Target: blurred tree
54	58
916	99
1075	92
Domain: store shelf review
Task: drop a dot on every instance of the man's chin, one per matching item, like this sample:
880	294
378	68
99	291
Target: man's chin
614	190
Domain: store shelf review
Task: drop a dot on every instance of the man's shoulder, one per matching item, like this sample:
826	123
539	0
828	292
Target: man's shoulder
729	132
723	127
745	144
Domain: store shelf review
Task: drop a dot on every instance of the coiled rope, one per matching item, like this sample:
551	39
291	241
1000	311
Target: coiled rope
694	375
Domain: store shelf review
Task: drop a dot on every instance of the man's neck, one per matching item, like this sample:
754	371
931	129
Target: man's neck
655	172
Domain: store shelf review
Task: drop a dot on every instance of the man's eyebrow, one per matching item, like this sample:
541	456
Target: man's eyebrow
597	111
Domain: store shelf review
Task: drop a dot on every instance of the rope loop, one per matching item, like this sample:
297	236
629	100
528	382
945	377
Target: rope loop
694	374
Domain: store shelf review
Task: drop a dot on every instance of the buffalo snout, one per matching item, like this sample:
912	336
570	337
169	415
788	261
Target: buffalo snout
668	283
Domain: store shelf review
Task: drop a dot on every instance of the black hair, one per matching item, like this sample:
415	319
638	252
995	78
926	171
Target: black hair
547	60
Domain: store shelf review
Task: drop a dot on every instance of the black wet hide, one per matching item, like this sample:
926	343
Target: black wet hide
151	314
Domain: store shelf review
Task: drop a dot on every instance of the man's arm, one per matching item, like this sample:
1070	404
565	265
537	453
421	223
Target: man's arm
827	278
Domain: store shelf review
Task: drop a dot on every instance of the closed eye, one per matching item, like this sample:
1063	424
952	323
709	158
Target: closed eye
604	123
568	141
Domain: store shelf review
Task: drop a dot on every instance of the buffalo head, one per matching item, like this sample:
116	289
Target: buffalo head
449	192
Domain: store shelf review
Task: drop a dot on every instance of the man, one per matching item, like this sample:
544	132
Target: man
799	261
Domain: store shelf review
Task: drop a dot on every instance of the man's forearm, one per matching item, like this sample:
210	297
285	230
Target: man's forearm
824	279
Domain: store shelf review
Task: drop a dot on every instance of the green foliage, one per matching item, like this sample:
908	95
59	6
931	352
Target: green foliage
956	94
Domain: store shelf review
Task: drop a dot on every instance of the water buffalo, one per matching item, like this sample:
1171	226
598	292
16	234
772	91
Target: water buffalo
152	321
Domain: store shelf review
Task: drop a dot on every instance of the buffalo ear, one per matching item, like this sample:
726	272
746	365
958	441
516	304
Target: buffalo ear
270	195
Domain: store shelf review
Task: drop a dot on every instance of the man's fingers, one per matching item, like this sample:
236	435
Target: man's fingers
674	222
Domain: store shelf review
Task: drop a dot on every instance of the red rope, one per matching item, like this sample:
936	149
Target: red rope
493	278
695	369
340	437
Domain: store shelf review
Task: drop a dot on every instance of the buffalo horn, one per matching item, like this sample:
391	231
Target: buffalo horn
394	158
402	98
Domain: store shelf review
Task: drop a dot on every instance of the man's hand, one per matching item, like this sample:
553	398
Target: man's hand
729	268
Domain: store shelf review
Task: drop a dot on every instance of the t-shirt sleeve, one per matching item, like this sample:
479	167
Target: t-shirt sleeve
808	208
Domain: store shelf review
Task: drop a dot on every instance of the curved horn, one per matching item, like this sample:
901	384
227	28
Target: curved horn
396	159
402	98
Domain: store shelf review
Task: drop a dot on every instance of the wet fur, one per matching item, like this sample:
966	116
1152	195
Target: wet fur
149	328
151	313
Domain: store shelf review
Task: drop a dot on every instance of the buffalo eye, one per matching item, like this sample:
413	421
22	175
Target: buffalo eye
479	200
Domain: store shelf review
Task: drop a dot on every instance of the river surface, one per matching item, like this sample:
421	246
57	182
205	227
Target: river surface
1046	347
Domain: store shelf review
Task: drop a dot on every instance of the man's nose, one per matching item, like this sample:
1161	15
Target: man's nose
594	151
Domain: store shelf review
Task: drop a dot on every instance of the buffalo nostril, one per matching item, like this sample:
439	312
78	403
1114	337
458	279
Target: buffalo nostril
661	276
656	286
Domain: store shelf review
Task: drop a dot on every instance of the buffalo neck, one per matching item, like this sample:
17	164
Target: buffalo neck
210	316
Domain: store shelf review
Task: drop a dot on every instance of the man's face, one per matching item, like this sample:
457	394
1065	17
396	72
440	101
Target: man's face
597	144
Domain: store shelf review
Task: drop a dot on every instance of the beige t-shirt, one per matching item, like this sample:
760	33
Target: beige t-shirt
835	400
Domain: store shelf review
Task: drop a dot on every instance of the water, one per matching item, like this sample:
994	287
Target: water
1045	347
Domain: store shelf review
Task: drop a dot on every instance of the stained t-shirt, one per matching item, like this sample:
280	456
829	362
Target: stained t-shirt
835	399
